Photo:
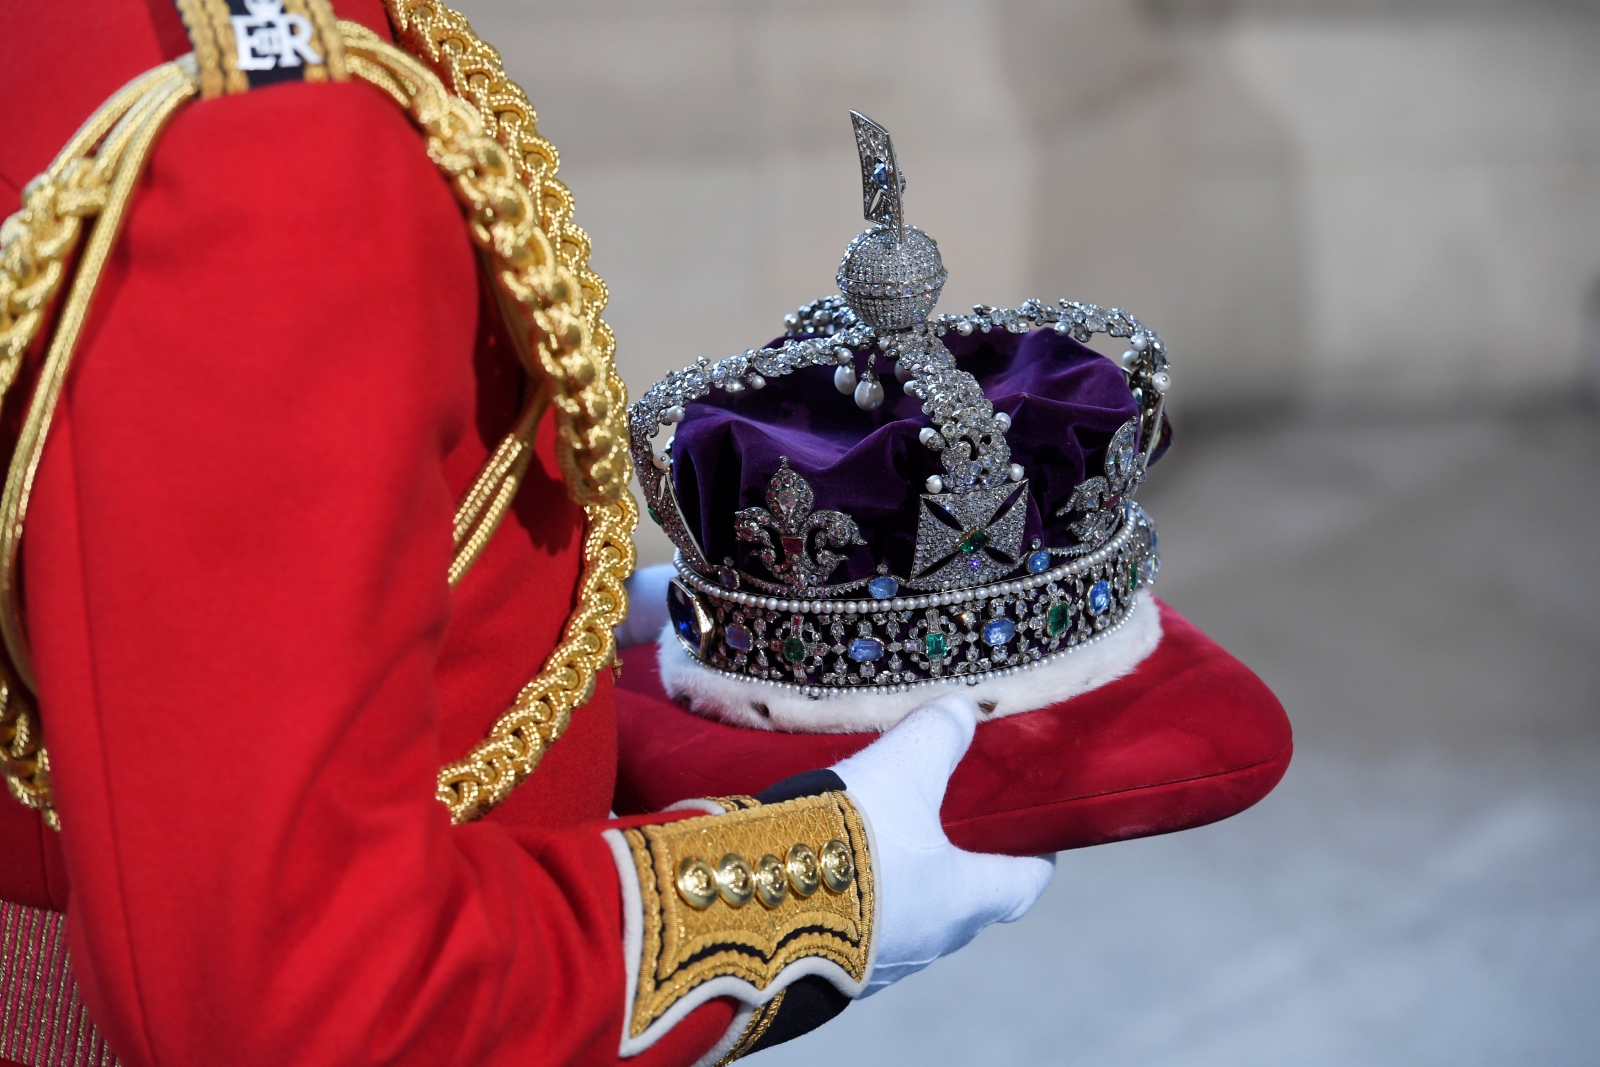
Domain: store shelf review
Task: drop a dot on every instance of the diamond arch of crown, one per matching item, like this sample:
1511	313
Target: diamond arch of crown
518	214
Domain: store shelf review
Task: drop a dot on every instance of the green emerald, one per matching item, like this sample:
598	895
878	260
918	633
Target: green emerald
936	646
1059	621
794	649
655	515
1133	575
974	541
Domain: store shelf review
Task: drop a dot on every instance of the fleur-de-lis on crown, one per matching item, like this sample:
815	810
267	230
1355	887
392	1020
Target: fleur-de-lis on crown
1098	498
806	537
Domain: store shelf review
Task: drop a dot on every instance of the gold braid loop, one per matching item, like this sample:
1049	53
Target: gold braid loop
572	345
94	175
518	215
541	289
473	785
22	751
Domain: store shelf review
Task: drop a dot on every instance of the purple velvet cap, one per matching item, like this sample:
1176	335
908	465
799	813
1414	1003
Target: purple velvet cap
1064	399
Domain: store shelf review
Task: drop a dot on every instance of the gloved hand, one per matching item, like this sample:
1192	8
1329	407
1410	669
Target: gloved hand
932	897
647	605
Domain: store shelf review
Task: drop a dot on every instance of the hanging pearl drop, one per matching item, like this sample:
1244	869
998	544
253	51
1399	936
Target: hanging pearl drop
869	394
844	379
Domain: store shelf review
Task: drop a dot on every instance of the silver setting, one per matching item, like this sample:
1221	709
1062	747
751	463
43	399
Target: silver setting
1097	498
882	184
892	274
802	558
818	331
970	538
892	282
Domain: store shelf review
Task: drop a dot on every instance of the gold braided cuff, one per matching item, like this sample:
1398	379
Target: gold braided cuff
745	896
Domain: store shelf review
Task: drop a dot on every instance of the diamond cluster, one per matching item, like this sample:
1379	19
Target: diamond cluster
892	282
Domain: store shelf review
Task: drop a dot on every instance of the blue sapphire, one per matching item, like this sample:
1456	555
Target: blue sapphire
686	614
1039	562
1099	598
999	631
880	176
866	649
883	587
738	637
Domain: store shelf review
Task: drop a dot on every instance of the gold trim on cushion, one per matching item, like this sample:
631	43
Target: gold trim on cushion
43	1022
760	1022
689	939
735	803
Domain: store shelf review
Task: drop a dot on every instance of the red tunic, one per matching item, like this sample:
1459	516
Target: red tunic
250	664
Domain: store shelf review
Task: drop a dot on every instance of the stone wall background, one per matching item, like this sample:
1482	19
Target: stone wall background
1331	201
1331	204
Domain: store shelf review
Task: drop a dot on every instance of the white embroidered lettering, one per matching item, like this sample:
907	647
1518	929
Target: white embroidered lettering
267	38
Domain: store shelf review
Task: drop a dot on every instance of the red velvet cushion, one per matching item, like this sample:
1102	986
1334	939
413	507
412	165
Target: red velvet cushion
1190	737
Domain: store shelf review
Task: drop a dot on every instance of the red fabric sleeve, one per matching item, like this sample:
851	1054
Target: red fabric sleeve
235	579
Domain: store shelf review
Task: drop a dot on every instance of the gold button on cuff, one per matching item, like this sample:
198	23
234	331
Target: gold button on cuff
735	880
837	868
772	881
697	883
805	875
684	942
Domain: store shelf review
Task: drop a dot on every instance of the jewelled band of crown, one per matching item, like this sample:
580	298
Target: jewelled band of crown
824	647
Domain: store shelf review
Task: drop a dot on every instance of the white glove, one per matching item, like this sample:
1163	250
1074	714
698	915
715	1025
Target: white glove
932	897
647	605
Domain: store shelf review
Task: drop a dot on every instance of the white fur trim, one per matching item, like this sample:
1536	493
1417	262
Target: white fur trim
714	695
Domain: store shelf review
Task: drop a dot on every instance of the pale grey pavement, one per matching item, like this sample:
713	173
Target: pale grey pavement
1424	887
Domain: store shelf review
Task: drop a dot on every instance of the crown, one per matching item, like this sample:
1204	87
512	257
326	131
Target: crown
972	514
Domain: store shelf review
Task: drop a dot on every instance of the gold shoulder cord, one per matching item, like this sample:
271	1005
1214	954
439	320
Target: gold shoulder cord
519	215
748	893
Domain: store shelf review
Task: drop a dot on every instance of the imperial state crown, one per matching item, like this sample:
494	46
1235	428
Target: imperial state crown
886	502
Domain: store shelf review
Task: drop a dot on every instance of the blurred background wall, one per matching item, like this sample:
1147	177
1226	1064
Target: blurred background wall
1389	204
1369	231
